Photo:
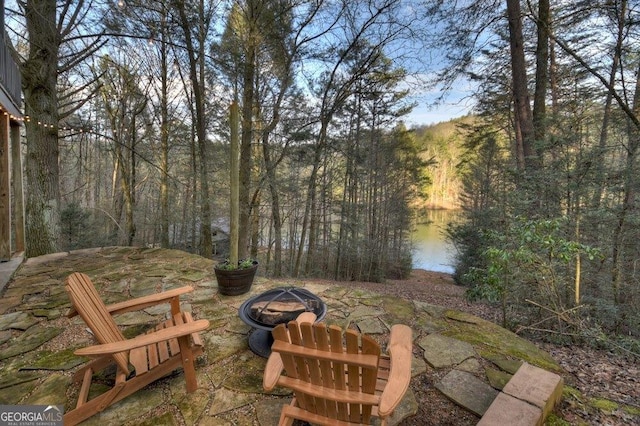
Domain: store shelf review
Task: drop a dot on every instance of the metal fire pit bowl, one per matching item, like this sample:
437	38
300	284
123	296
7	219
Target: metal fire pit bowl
265	311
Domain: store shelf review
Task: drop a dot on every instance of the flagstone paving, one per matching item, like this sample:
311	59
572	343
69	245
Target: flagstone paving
37	340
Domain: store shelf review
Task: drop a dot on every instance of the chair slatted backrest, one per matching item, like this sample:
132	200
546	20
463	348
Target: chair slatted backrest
342	369
89	305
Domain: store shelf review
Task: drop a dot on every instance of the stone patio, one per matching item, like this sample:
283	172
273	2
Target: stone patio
476	357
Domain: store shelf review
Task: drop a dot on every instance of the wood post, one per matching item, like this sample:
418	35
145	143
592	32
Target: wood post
18	191
5	190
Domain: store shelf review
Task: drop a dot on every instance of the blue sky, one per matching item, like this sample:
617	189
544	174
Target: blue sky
424	114
457	102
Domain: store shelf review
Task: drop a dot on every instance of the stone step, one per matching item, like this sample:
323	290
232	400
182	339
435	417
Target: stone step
527	399
509	411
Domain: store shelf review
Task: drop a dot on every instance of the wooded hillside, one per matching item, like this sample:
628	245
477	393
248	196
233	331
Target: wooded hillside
127	140
128	143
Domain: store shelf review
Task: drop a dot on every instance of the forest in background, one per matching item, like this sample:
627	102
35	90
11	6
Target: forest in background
549	166
127	140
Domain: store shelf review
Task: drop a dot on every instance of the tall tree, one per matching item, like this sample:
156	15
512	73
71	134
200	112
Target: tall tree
254	44
525	136
152	19
364	26
40	74
124	103
55	46
195	22
620	20
368	204
543	27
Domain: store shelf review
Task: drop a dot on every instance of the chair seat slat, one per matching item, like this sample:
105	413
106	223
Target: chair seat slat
338	378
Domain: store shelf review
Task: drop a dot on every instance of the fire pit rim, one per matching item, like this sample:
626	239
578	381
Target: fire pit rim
252	322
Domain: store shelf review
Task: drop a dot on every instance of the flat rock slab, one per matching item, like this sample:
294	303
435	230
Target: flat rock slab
17	321
29	340
268	411
507	410
5	336
468	391
470	365
505	364
14	385
408	407
140	404
191	405
225	400
441	351
371	326
49	391
498	379
49	360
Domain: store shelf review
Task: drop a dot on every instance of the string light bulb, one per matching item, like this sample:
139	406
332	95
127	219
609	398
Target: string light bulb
121	4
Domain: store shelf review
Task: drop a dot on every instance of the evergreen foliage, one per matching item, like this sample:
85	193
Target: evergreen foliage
74	227
549	187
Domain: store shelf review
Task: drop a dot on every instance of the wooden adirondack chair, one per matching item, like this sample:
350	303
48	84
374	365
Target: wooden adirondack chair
172	344
335	384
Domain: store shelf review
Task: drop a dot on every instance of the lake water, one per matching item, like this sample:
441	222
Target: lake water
431	251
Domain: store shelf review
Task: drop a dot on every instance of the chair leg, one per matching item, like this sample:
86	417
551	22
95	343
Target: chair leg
187	363
94	406
122	389
84	389
284	420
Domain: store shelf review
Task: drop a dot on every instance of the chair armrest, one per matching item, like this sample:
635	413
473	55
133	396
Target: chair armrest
148	300
272	371
142	302
145	339
400	353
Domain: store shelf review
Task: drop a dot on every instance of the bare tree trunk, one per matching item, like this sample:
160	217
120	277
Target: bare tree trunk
542	74
517	137
194	188
310	203
246	166
234	186
126	188
164	147
197	78
606	114
521	99
275	205
39	82
130	192
116	189
628	202
553	76
255	224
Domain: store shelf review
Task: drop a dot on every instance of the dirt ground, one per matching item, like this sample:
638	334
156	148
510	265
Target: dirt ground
596	374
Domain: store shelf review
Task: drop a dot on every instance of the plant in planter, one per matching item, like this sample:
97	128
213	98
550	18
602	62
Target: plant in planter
243	264
234	279
234	276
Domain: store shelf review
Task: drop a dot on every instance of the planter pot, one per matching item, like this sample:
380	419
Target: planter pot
232	282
